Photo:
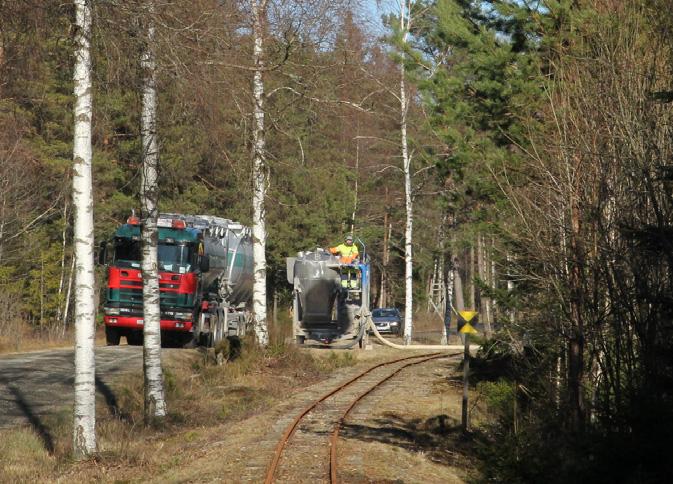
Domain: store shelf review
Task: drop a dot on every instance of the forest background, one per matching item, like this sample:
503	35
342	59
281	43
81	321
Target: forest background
540	134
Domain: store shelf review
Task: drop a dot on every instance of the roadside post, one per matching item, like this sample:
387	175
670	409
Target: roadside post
466	329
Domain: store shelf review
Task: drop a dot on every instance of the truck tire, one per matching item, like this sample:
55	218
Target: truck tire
112	336
222	330
300	339
134	338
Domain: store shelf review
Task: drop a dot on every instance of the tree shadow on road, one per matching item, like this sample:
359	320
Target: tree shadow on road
439	437
35	421
111	401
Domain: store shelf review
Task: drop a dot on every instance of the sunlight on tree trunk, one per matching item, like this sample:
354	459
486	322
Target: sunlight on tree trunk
405	20
84	430
259	176
155	404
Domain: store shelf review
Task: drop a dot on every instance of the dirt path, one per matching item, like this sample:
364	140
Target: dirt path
404	432
407	431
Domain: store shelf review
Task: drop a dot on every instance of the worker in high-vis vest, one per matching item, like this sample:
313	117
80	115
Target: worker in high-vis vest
348	254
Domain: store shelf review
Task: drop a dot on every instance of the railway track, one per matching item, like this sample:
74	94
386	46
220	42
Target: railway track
307	450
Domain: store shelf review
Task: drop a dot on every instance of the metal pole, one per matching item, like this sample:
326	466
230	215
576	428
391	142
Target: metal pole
466	376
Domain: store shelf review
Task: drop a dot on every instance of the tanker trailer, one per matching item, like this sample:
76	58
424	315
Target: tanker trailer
323	308
205	280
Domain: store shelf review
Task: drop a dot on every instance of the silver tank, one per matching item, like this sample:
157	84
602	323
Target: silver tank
320	309
228	245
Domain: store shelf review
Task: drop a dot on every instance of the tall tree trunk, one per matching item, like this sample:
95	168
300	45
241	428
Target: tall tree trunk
458	290
458	285
405	18
383	298
155	403
494	285
63	247
259	176
84	429
357	176
576	342
41	324
68	292
449	278
471	278
484	302
510	286
2	226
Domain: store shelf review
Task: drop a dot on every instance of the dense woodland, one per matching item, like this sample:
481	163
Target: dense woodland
540	141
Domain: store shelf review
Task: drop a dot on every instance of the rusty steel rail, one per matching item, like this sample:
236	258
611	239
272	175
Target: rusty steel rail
335	434
289	431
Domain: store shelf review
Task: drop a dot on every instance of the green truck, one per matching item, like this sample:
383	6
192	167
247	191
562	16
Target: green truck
205	279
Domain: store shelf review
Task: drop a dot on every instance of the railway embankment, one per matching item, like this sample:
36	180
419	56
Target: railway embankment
225	421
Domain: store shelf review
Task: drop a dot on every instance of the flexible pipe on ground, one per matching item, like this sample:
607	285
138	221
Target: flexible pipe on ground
370	322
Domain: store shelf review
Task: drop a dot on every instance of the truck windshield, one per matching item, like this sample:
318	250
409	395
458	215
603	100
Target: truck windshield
127	253
172	257
175	258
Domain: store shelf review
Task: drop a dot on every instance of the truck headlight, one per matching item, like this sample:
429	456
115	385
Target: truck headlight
112	311
185	316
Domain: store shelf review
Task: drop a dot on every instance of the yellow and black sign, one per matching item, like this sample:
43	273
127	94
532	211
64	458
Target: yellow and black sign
464	325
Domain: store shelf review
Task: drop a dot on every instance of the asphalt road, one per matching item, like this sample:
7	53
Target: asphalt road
33	385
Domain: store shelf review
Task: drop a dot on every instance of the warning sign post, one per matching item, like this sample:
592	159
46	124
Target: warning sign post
465	321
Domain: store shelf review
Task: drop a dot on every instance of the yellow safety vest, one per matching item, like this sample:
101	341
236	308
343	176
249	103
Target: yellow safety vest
347	252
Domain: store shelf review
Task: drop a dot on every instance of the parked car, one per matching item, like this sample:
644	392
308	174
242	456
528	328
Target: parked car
387	320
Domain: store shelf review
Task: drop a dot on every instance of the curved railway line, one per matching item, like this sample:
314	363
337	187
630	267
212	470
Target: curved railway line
315	431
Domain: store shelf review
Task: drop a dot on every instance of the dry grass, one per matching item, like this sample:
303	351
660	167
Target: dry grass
20	337
203	397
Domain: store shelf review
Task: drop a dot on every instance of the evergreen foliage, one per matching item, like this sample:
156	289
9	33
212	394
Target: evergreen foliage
541	138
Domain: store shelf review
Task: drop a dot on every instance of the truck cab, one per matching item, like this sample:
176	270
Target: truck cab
181	260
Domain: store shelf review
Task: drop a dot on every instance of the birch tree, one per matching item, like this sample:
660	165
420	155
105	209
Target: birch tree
405	24
84	429
259	175
155	404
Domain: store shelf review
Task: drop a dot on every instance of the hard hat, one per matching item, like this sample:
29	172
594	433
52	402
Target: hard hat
349	237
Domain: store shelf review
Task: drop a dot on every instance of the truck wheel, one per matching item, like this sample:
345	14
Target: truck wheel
134	338
218	330
112	336
300	339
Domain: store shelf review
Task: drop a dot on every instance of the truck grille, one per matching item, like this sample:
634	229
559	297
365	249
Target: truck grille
127	296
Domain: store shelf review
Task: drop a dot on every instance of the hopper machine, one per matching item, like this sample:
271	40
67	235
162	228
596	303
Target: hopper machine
330	298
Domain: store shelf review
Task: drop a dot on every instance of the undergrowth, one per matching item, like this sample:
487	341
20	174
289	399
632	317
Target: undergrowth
200	394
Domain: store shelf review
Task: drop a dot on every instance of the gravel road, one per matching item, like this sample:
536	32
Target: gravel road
33	385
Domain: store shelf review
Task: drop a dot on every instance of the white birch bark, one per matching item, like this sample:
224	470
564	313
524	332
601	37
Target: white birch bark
155	403
355	188
2	225
448	308
68	294
484	302
84	428
61	281
259	176
510	286
470	279
405	18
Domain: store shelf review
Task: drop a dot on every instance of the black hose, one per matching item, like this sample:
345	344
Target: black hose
358	338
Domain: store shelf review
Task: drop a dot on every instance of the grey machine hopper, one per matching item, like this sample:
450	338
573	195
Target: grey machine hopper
321	310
